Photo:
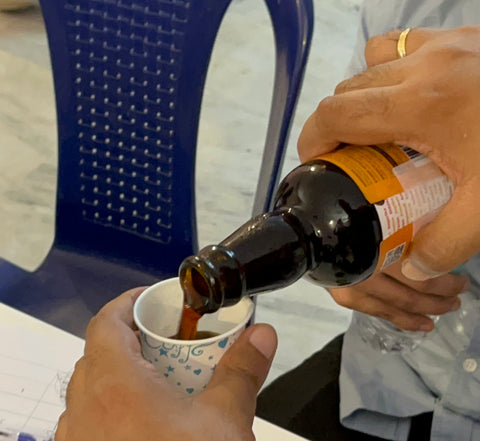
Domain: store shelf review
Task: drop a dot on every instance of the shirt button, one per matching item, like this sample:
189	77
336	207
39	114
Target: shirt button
470	365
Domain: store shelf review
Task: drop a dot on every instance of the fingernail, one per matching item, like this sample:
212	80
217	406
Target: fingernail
466	286
264	339
414	270
426	327
456	305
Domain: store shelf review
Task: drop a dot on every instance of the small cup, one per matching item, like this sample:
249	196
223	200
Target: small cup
186	364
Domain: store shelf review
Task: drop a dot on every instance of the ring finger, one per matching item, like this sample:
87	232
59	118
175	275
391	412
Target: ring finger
384	48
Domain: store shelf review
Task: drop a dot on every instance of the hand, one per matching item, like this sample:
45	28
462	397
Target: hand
430	101
405	303
114	394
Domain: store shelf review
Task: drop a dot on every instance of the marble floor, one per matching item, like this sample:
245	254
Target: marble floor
232	132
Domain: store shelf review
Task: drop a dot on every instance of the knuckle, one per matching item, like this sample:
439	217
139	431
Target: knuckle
370	77
375	42
325	106
342	87
243	373
375	47
378	103
80	365
358	81
92	325
342	297
329	106
95	328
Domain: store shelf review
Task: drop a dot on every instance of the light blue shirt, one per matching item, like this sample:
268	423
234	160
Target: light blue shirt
380	393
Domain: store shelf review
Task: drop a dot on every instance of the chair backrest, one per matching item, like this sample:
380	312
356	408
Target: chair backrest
129	78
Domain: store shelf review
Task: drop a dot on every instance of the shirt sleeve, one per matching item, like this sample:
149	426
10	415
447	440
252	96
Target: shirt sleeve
357	63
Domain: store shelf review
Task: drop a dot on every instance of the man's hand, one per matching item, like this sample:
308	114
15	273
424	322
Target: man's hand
430	101
405	303
114	394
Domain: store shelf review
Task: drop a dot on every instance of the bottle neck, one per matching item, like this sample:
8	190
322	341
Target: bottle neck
268	252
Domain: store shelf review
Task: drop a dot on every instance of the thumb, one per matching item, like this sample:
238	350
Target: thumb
448	241
243	369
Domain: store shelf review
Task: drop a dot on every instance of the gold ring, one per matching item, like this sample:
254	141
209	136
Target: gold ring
401	44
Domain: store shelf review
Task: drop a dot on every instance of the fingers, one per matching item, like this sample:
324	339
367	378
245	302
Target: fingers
355	117
406	306
121	307
75	390
437	247
385	68
243	369
363	301
447	286
76	385
61	431
381	104
383	75
112	346
412	301
364	107
383	48
113	325
408	321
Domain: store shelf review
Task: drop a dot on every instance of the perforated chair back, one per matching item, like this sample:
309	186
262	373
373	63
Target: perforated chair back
129	78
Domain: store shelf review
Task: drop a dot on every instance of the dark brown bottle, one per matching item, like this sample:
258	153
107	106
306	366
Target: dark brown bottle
322	224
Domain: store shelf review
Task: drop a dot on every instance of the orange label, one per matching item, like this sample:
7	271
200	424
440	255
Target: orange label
372	169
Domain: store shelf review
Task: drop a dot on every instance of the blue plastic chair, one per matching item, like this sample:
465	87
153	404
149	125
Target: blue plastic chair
129	78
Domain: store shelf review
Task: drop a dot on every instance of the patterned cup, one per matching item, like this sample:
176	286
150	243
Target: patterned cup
186	364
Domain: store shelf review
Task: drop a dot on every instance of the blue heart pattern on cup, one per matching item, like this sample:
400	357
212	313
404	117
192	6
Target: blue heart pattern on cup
223	343
188	367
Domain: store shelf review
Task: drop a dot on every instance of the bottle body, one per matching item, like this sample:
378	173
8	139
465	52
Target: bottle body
337	219
334	237
424	191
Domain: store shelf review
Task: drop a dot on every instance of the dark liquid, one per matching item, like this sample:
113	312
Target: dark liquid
188	324
191	310
205	334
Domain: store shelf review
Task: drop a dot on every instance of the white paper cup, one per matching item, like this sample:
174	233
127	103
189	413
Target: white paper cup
186	364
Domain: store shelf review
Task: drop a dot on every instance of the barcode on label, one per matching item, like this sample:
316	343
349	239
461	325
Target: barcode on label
412	154
394	255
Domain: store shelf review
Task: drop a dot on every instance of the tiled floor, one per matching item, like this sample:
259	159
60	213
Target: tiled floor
231	133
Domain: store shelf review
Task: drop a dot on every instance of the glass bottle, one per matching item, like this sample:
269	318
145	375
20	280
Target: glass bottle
336	219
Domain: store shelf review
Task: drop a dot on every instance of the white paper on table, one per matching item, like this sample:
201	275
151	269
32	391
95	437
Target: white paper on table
265	431
36	361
